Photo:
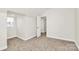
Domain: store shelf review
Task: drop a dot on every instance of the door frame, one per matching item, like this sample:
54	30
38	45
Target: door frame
46	25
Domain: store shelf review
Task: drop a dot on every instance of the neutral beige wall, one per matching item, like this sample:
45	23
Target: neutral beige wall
26	27
3	31
77	27
61	23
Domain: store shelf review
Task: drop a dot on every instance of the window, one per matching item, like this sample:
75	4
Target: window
10	21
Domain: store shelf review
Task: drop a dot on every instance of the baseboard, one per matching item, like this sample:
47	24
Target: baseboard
20	37
60	38
26	38
77	44
3	48
11	37
31	37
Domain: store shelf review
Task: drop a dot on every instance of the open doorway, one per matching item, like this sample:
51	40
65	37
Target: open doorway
43	26
11	27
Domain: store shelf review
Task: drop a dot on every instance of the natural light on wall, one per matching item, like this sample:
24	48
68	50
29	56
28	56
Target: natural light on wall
10	21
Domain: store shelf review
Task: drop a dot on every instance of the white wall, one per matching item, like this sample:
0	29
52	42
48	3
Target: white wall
61	23
26	27
77	27
3	31
11	31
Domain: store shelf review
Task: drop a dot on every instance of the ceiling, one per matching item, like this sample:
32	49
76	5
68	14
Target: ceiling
28	11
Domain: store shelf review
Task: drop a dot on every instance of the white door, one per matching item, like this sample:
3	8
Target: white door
38	26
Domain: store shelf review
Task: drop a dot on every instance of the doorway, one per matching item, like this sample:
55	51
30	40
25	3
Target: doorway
11	27
41	26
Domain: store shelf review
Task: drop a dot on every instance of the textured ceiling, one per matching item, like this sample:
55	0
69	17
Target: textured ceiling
28	11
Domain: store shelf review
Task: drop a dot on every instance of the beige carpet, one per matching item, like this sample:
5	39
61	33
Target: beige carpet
41	44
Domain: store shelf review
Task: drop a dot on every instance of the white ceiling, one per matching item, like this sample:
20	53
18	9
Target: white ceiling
29	11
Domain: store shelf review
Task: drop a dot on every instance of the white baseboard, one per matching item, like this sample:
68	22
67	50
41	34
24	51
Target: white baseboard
31	37
77	44
20	37
3	47
61	38
26	38
65	40
11	37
